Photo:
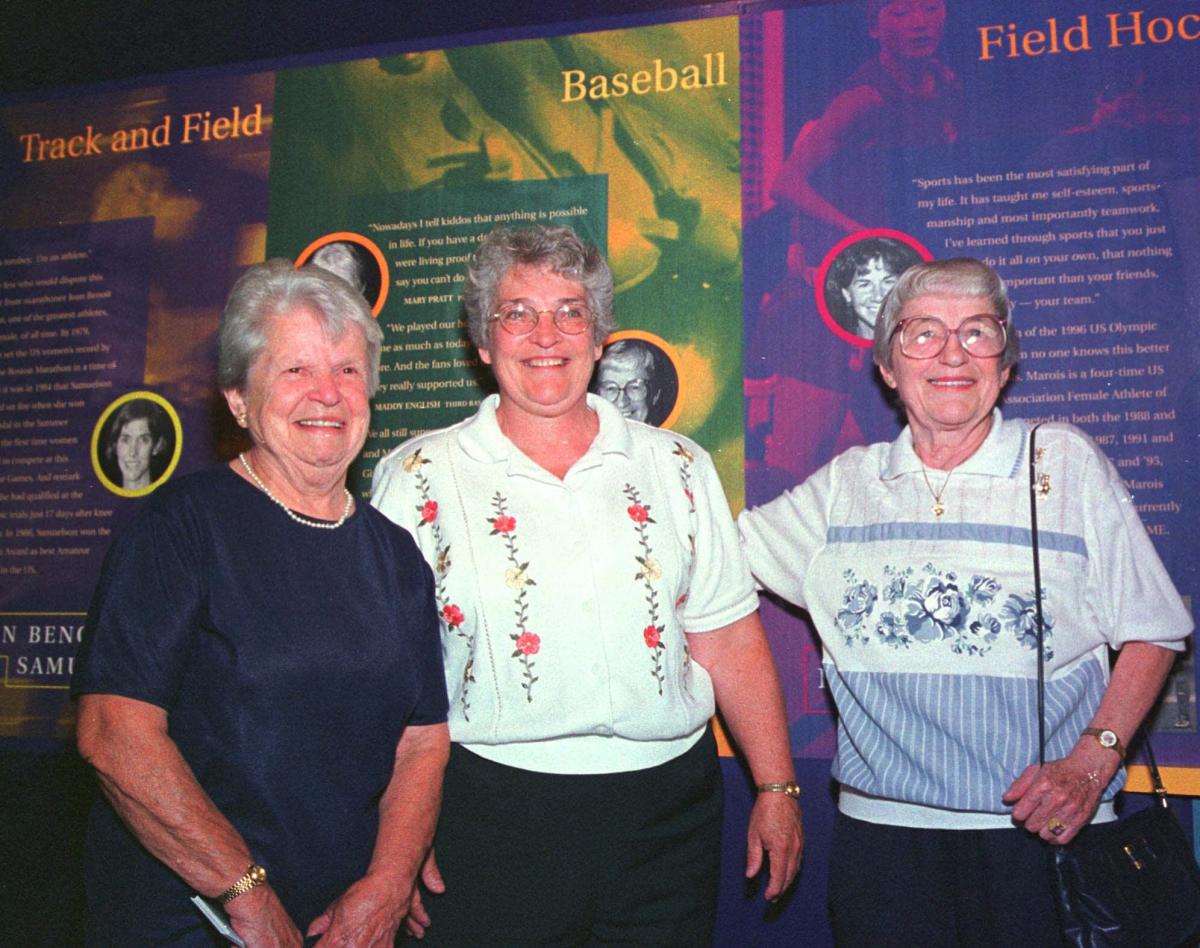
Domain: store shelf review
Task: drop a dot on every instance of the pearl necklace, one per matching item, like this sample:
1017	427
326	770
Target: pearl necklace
938	507
319	524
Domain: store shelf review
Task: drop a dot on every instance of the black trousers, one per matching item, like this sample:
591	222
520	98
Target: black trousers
896	886
546	859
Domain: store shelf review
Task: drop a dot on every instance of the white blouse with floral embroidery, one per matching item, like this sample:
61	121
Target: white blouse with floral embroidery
565	603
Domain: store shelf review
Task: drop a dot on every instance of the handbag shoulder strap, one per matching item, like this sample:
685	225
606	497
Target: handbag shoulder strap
1037	596
1160	791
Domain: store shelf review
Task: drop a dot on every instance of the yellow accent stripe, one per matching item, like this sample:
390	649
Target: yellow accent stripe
1179	781
724	748
30	685
43	613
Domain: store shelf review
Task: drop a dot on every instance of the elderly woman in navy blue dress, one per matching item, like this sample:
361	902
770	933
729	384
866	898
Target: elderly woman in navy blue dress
260	685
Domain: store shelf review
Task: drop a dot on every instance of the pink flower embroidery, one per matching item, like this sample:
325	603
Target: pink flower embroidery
685	474
650	573
528	643
681	600
452	615
517	578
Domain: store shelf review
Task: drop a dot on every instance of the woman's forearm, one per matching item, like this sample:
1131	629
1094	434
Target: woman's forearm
154	791
409	808
1137	678
749	695
750	699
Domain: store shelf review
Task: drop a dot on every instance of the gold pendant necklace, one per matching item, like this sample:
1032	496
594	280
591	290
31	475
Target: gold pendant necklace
938	507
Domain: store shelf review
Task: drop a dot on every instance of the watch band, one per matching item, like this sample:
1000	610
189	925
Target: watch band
256	875
1107	738
791	788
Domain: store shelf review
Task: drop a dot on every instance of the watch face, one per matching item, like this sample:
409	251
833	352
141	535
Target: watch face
1108	738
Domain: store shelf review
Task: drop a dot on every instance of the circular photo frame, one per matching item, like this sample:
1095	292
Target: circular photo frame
856	275
640	374
354	258
136	444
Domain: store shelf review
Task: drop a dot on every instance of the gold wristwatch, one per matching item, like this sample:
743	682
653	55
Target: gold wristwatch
1107	739
791	789
256	875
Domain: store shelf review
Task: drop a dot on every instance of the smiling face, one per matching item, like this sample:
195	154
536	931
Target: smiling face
544	373
954	391
910	29
625	381
135	445
306	399
866	292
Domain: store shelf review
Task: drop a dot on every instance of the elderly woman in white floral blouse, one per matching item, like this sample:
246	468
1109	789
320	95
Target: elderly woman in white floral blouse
594	601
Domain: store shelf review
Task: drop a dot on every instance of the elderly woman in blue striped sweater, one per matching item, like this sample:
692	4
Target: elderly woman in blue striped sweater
913	559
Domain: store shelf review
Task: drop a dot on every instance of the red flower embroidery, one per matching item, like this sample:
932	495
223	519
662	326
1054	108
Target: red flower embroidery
681	600
638	513
650	634
528	643
451	614
506	524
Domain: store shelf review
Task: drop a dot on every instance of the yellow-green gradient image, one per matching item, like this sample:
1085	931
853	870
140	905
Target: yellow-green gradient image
630	136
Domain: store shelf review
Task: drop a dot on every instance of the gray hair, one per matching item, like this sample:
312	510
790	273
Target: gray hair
632	352
960	276
339	259
275	288
555	248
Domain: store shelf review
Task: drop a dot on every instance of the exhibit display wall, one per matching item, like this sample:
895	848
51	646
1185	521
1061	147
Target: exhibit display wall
729	163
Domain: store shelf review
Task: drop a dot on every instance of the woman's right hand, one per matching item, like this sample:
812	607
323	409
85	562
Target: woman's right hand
418	918
262	921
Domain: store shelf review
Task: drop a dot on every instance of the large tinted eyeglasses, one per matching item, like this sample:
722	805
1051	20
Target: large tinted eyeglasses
923	337
634	390
520	319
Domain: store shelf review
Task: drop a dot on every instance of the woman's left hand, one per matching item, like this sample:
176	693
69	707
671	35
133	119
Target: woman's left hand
366	914
750	699
1057	800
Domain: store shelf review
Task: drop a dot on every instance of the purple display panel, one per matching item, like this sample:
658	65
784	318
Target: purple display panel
73	319
125	217
1061	148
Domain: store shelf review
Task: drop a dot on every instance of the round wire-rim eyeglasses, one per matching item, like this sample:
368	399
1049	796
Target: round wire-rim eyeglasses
520	319
925	337
635	390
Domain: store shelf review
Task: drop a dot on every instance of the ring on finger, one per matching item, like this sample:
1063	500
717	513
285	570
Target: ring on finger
1056	826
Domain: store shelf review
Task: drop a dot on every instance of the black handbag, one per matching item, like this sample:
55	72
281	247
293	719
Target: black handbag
1133	882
